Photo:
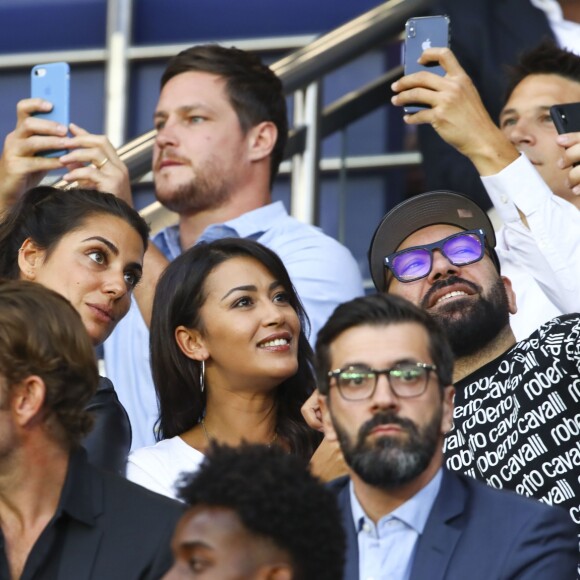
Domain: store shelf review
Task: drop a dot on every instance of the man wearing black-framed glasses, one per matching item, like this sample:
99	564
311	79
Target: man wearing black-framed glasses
385	371
516	420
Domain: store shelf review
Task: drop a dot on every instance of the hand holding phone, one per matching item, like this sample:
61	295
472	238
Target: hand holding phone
420	34
51	82
566	117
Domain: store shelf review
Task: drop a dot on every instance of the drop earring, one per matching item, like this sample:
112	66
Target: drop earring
202	375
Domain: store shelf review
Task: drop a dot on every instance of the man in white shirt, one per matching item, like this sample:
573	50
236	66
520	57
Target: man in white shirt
385	378
522	164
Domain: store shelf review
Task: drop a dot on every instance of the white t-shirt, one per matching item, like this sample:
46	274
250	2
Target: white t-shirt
159	467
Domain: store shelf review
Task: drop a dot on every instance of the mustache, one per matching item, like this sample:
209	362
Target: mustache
385	418
443	284
169	153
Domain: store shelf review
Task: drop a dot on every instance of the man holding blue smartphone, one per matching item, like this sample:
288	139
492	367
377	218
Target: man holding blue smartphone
526	167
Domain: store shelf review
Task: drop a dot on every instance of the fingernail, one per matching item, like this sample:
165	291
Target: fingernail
576	190
560	163
562	140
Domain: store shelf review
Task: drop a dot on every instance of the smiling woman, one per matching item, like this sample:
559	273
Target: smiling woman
230	360
88	246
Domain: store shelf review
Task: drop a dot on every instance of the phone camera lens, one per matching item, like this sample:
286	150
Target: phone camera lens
411	32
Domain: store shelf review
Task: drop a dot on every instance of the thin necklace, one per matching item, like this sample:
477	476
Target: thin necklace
209	439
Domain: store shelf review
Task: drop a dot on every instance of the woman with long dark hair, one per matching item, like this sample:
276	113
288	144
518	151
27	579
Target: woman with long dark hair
230	359
88	246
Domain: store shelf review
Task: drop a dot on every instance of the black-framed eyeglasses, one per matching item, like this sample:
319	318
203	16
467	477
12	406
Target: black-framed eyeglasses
407	380
460	249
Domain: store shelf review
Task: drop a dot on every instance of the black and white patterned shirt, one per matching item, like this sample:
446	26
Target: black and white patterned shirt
517	419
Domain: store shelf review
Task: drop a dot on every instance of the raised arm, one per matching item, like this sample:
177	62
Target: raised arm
20	165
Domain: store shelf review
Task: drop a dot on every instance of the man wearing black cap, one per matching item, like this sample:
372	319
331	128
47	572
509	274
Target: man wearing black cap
526	168
517	413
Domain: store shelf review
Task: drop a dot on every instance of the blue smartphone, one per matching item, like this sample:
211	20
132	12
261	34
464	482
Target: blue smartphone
422	33
51	82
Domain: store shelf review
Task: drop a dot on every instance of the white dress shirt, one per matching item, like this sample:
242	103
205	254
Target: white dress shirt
542	261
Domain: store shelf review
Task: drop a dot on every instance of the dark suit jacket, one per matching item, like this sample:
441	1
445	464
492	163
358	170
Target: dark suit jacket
475	532
109	441
120	531
486	35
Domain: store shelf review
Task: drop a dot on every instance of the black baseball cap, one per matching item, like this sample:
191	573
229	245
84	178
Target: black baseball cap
419	211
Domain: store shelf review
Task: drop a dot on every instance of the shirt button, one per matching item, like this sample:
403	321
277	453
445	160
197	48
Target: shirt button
504	199
366	528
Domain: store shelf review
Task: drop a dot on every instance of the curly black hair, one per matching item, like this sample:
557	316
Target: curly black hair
276	497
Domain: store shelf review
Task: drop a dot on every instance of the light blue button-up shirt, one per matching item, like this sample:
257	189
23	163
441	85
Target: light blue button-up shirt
323	272
387	549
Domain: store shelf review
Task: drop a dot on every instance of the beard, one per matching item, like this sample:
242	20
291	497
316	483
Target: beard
209	189
471	325
389	462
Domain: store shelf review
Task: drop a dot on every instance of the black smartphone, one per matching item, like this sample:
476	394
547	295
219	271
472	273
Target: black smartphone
422	33
566	117
51	82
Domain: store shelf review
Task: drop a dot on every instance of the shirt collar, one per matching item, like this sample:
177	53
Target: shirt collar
414	512
251	224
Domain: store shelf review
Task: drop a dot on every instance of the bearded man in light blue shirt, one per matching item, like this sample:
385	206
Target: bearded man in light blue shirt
385	380
222	126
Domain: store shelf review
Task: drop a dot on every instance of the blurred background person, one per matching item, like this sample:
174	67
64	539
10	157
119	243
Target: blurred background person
487	36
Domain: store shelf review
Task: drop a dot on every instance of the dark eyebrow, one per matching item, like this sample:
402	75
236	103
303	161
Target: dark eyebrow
184	110
507	112
364	365
107	243
542	108
250	288
195	544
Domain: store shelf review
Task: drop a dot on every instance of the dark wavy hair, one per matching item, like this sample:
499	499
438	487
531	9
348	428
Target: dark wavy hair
546	59
254	91
42	334
46	214
382	310
276	498
179	297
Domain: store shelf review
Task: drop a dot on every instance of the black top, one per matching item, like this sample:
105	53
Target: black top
516	419
109	441
104	527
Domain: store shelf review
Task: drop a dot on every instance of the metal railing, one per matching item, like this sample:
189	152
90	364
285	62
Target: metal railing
300	73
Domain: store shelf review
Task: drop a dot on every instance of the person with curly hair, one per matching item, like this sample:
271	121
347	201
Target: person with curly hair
256	512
